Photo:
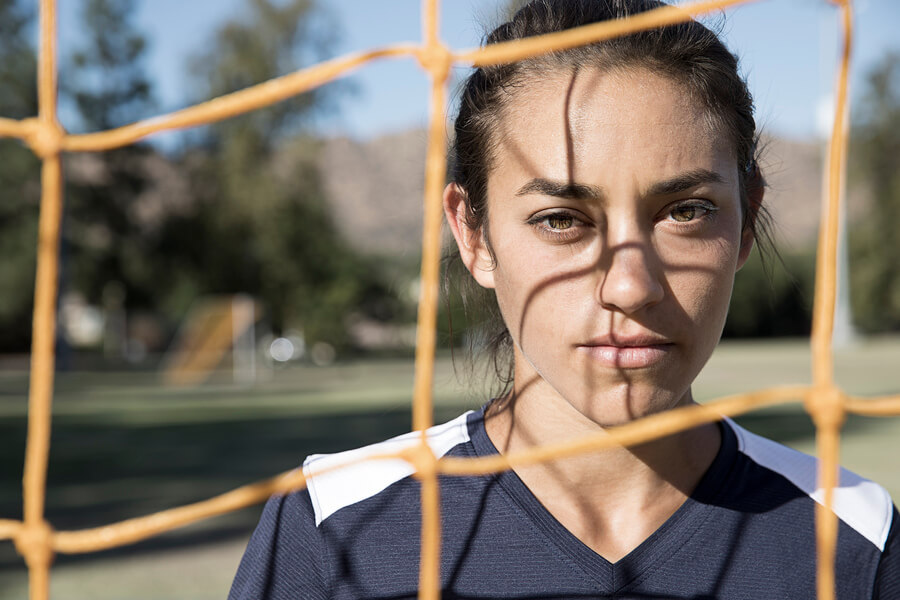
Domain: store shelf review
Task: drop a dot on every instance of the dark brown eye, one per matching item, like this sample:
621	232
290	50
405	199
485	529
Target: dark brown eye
683	214
560	222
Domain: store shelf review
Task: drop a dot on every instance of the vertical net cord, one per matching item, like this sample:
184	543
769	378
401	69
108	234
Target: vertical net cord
436	60
430	555
825	402
435	169
35	539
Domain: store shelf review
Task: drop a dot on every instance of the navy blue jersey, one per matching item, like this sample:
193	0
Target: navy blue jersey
746	532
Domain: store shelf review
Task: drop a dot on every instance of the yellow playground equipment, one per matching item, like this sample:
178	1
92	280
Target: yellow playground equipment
213	329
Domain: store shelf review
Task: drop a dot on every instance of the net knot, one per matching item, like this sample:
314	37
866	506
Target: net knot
436	59
826	406
422	459
34	541
45	138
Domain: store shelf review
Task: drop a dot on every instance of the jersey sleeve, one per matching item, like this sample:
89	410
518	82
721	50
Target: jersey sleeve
286	557
887	579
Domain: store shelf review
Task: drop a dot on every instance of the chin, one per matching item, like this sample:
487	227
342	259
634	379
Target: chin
630	403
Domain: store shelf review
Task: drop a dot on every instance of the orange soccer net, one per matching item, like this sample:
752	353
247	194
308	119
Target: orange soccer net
828	405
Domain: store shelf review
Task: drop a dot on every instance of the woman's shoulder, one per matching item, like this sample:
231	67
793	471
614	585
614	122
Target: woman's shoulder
859	503
360	506
337	481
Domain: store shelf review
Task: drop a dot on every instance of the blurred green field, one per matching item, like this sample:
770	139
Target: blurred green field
125	445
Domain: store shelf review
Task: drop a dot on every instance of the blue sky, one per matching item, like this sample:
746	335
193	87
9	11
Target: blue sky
788	50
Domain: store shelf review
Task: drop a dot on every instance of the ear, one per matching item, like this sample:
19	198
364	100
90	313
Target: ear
471	243
746	247
754	201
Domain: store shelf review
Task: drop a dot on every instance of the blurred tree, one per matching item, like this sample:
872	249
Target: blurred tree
104	239
875	240
261	223
270	39
17	69
772	297
19	179
108	81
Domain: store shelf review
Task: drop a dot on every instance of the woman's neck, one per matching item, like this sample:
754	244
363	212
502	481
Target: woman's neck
612	499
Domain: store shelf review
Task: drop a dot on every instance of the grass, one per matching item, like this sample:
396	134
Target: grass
124	445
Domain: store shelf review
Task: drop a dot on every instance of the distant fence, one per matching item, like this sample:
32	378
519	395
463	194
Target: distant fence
827	404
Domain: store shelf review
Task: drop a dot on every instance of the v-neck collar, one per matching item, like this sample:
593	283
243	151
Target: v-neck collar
660	547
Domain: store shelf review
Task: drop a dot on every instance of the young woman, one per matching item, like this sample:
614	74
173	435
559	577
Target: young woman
606	195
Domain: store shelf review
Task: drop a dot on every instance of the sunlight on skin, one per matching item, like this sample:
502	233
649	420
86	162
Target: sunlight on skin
614	234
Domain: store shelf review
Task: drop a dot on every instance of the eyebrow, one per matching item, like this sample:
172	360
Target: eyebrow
561	189
684	182
582	191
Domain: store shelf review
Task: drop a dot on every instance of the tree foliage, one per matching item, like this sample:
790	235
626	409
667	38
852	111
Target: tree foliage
269	39
875	240
106	77
104	240
772	297
19	178
261	223
249	215
18	64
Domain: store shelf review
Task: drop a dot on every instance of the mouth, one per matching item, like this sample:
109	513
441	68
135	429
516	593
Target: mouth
627	353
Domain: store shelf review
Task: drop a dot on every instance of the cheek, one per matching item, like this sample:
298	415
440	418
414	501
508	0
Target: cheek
701	281
704	299
537	293
517	285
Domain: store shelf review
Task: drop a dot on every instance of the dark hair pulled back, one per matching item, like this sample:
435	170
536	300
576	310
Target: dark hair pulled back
687	53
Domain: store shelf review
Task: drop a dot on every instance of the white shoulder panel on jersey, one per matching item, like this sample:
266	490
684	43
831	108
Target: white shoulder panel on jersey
340	487
862	504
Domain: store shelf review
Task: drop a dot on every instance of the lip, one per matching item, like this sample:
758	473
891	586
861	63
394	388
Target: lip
634	352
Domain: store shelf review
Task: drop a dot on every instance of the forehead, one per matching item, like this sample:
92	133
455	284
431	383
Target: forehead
583	123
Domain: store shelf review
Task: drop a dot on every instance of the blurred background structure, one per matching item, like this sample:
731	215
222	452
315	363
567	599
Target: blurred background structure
280	251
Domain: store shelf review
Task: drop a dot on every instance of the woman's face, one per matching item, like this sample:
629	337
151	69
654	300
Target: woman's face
614	218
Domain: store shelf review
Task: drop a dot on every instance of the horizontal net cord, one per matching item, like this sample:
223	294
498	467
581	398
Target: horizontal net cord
874	406
230	105
9	528
133	530
140	528
541	44
14	128
136	529
130	531
284	87
636	432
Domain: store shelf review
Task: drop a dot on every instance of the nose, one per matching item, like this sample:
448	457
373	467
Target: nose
631	279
